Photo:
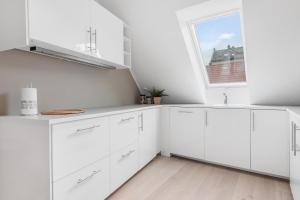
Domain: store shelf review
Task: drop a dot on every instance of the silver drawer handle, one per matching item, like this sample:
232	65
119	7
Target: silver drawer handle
78	131
126	120
127	154
79	181
186	112
297	148
95	36
296	128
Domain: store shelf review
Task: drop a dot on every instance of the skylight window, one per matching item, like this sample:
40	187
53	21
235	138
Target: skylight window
221	48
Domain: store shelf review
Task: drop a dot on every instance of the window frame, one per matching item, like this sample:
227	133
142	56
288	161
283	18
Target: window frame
199	55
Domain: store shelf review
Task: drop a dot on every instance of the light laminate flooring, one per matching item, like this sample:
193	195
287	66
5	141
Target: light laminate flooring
180	179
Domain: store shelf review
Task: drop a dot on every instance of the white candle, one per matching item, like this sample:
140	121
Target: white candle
29	104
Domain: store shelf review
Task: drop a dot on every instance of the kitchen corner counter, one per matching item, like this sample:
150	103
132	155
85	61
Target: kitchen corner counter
105	111
294	110
233	106
89	113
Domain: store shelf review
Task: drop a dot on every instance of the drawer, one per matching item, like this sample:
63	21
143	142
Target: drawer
124	164
78	144
90	183
124	130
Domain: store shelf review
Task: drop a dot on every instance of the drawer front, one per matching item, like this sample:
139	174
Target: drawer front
78	144
124	130
124	164
90	183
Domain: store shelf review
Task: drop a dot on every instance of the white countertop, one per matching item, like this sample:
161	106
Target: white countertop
105	111
294	110
89	113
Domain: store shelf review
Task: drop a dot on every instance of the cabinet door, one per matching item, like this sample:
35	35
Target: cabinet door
90	183
107	35
187	132
124	164
295	156
270	142
228	137
123	130
148	136
63	23
78	144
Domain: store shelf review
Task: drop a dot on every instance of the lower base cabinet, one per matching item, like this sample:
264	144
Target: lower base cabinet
187	132
228	137
295	156
148	136
90	183
270	142
256	140
124	164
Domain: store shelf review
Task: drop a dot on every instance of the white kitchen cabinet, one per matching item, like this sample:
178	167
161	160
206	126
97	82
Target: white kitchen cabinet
78	144
149	127
228	137
124	164
74	157
123	130
80	30
91	183
64	23
107	34
295	156
187	132
270	142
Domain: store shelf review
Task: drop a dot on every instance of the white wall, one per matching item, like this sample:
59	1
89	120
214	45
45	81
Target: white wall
273	45
159	55
61	84
238	95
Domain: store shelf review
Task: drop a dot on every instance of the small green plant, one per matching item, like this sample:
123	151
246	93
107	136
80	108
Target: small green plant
156	92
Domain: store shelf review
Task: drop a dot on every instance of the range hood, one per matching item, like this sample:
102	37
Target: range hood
46	49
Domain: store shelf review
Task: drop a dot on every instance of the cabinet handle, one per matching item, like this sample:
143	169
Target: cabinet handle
90	38
186	112
127	119
126	155
206	118
295	139
293	130
80	181
253	122
84	130
95	38
142	121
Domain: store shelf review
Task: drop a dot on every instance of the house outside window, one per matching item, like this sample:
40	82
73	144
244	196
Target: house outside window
220	44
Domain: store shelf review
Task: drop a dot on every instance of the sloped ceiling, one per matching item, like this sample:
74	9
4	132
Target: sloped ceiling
159	54
160	58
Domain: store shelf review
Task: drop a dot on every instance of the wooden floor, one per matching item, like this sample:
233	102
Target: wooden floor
180	179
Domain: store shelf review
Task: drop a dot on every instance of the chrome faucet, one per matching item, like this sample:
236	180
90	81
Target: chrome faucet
225	98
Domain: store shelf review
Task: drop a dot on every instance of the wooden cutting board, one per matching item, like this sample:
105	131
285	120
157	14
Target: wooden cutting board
63	112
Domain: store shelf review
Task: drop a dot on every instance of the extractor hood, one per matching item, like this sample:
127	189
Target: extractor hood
50	50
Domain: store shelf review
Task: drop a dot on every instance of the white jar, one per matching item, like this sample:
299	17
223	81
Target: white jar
29	104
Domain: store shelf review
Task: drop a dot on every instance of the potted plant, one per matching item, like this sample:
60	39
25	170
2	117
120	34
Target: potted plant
157	95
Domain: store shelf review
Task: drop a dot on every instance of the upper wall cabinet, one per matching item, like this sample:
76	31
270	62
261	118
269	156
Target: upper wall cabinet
64	23
108	41
81	29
